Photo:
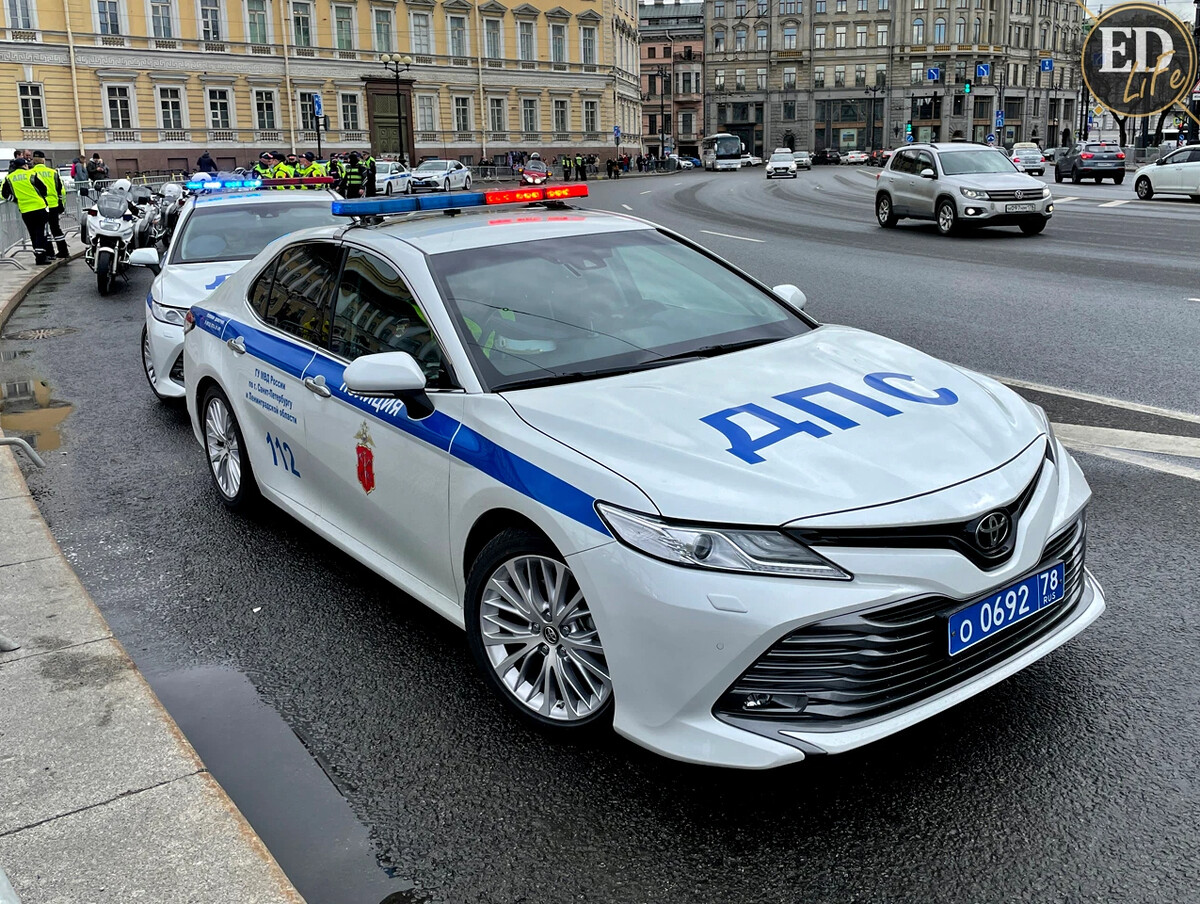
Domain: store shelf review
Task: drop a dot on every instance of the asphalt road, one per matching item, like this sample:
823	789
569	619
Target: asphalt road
1072	781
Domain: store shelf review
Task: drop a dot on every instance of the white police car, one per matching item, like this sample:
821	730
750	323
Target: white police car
220	228
650	488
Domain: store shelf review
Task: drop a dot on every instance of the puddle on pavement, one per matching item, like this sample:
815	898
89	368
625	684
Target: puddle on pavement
29	410
278	786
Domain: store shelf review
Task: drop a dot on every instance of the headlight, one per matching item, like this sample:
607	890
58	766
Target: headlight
1045	192
974	194
769	552
173	316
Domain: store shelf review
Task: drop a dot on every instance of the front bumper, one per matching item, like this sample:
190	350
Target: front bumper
677	639
998	213
166	353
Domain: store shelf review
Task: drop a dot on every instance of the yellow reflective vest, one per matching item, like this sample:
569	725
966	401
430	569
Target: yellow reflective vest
52	182
27	190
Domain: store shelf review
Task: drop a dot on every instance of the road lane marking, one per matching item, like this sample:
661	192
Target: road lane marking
1194	299
627	207
1114	203
647	191
1100	400
725	235
1129	440
1141	460
1061	200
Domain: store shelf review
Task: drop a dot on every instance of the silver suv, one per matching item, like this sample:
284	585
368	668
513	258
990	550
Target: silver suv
960	185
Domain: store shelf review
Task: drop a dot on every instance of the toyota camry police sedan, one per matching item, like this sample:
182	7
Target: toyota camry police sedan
652	490
220	229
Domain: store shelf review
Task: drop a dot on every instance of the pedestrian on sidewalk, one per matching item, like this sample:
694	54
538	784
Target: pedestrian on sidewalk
23	186
96	169
56	201
206	164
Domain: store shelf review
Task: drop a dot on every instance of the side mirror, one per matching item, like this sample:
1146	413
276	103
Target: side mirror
389	375
1160	161
927	173
791	295
145	257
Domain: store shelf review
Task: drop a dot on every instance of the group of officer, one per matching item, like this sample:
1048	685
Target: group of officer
354	172
38	192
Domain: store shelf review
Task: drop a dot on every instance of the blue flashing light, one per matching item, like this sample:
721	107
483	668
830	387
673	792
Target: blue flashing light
379	207
209	185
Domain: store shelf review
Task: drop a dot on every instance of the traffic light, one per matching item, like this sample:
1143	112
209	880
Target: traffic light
908	128
967	87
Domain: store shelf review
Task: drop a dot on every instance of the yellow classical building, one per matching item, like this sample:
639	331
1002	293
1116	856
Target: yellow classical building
151	84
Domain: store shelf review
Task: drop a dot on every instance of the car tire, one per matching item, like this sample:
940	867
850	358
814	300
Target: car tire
387	189
446	185
1098	179
1117	180
1143	188
227	454
1075	177
552	673
467	184
885	214
148	366
1034	227
1058	176
947	217
408	188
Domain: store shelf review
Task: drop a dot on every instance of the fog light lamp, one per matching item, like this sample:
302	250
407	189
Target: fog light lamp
775	703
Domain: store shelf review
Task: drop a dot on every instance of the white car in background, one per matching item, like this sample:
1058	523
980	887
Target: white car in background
1176	173
781	164
391	177
439	175
216	235
856	157
652	490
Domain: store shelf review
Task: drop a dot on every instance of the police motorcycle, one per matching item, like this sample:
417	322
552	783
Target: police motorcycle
169	201
121	220
535	171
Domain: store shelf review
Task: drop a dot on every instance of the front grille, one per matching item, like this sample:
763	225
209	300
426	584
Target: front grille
866	664
1025	194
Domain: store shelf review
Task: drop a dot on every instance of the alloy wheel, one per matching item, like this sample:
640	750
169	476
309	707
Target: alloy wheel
541	641
147	356
221	443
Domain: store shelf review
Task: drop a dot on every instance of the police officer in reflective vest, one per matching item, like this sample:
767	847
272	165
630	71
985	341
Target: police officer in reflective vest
265	164
23	186
56	197
335	167
282	170
354	177
308	168
369	163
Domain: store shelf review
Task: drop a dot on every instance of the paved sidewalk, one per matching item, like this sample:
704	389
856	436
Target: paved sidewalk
102	799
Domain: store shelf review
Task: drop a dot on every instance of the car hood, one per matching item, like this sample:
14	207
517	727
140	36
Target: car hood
998	181
183	285
870	422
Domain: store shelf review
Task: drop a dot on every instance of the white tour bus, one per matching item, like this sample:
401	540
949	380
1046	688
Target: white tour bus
721	152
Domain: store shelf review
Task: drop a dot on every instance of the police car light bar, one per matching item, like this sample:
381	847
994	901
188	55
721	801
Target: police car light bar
378	207
306	180
222	184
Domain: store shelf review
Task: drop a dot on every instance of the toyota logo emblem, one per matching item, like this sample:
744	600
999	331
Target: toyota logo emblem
992	531
1019	194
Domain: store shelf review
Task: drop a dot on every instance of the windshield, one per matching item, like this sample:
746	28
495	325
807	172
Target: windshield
782	158
112	204
432	166
239	232
730	146
960	163
535	166
569	308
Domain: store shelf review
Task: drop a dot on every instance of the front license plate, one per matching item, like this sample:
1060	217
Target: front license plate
990	616
1019	208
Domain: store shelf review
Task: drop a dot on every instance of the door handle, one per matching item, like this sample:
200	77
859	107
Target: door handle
237	344
317	384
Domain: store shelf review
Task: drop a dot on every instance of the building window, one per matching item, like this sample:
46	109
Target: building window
492	39
256	21
789	110
839	76
761	36
881	75
960	31
960	71
819	37
739	8
978	31
739	39
109	14
458	35
561	116
462	114
529	115
719	40
350	120
210	20
820	6
841	6
497	113
33	113
591	116
739	80
862	6
343	26
170	107
558	43
818	76
839	36
719	79
860	75
422	33
651	84
761	81
789	78
860	36
789	37
219	116
525	40
884	5
425	116
120	114
651	53
763	7
264	110
881	34
719	9
787	7
939	30
916	73
918	31
19	14
301	24
160	19
588	42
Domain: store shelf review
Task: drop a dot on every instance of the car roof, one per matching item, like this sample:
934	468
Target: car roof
948	146
265	196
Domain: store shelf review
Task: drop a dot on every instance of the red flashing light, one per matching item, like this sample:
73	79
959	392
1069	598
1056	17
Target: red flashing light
559	192
532	195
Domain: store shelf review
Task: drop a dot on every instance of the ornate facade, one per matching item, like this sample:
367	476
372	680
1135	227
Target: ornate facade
672	58
150	84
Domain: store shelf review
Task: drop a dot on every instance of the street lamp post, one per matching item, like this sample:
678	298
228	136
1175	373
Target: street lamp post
663	74
396	63
872	91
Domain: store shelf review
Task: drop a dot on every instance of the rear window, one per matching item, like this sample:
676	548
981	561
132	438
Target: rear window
1101	148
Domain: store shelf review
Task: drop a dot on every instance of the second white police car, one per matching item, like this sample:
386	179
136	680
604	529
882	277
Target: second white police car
651	489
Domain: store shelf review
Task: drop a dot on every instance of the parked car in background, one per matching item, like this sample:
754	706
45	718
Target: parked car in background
1097	160
803	159
827	156
1175	173
1028	157
751	160
64	173
857	158
391	177
781	164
